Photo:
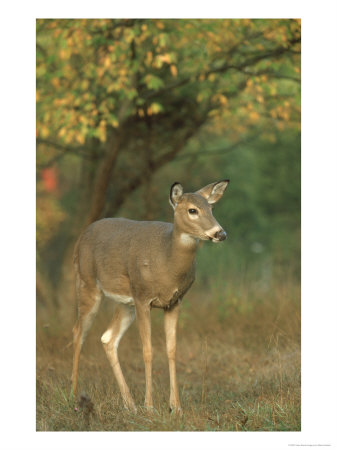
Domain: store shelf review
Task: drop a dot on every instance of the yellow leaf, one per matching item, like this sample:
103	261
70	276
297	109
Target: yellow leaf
64	53
174	70
68	137
100	71
62	132
55	82
165	58
156	108
85	85
102	134
44	131
80	138
213	113
254	116
149	58
107	62
223	99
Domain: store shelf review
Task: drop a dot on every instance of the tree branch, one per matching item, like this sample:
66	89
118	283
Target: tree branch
278	51
51	161
270	73
219	151
81	150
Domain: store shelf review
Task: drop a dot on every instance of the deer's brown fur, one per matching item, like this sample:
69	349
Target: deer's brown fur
141	265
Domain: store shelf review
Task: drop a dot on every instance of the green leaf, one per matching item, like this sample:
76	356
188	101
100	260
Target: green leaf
153	82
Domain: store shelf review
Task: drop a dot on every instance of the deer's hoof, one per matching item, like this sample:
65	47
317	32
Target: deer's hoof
176	410
131	407
149	408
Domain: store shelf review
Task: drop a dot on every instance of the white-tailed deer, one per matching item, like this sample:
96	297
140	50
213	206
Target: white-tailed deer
141	265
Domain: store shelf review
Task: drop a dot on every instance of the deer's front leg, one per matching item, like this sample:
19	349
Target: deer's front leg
170	320
144	326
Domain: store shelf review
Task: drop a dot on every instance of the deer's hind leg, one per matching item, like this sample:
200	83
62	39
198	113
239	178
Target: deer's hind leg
122	319
89	299
144	327
171	320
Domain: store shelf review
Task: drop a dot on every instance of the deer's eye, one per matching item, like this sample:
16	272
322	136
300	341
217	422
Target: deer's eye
192	211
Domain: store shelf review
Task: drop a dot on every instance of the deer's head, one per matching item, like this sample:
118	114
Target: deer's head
193	211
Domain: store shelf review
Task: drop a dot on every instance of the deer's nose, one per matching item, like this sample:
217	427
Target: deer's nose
221	235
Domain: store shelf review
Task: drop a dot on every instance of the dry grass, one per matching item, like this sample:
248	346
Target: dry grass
238	367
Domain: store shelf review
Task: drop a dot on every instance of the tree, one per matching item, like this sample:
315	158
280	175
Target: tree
126	96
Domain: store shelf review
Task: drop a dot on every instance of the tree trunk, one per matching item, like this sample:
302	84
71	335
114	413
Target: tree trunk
103	178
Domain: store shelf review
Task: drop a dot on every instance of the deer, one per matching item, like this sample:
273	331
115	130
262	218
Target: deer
142	265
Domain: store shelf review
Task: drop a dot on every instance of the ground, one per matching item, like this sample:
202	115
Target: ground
238	366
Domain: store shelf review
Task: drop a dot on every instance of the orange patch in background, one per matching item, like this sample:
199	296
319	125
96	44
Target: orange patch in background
50	179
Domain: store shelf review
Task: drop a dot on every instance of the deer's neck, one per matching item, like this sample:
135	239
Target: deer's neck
183	251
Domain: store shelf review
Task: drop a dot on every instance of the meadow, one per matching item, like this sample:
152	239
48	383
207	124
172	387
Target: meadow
238	362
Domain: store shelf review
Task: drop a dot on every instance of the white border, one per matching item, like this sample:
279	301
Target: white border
319	220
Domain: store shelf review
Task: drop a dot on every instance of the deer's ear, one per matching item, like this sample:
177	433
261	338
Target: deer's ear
213	192
176	193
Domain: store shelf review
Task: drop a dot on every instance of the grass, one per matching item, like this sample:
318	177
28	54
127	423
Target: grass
238	366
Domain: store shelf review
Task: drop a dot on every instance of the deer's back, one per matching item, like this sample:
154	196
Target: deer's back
111	251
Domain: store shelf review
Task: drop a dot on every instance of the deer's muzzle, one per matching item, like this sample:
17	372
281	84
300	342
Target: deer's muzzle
220	235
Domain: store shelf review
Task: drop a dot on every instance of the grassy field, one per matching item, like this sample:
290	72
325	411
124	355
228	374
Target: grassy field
238	366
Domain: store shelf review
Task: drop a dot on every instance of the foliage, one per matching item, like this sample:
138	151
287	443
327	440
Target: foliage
94	75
